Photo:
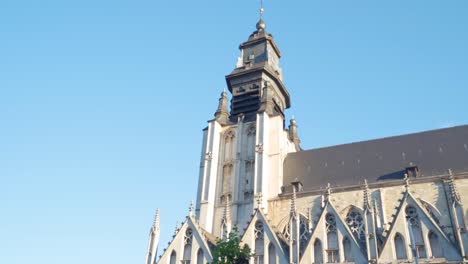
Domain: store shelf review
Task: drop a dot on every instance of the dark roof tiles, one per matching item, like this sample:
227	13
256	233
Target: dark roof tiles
433	152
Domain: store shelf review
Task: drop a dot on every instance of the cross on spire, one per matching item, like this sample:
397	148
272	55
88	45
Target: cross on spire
261	10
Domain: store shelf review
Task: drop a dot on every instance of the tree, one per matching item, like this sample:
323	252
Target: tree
229	251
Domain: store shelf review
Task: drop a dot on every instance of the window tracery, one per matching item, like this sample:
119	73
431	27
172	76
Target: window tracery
258	232
415	225
355	222
259	243
188	236
332	239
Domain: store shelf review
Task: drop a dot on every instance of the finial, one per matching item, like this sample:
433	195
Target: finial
367	205
261	25
222	112
176	228
191	209
407	181
259	197
309	221
156	219
453	189
261	10
293	203
328	190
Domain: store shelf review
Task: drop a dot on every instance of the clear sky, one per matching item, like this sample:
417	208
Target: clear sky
102	103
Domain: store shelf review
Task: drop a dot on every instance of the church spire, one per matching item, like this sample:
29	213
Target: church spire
222	113
258	63
153	240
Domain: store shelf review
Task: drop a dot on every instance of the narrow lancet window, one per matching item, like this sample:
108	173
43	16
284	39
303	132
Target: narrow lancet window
332	239
435	246
400	248
271	254
259	247
318	252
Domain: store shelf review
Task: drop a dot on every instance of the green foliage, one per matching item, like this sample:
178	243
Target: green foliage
229	251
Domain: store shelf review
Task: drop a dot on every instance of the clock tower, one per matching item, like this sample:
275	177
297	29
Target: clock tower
244	147
256	82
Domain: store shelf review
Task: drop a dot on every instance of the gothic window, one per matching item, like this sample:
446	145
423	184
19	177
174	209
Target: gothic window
259	247
229	145
200	256
435	246
356	224
251	142
226	180
187	246
303	233
415	226
332	239
223	231
173	257
400	247
249	172
348	254
271	254
318	252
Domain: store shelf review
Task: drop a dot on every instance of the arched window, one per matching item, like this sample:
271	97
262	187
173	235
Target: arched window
400	247
435	246
348	254
200	256
304	233
226	179
415	226
173	258
318	252
223	231
271	254
259	247
356	224
251	142
187	246
332	239
229	145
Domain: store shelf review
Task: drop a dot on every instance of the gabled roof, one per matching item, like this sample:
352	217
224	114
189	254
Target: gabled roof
319	232
398	225
201	236
434	152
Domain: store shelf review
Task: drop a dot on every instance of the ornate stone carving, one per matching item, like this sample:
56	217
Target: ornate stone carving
259	148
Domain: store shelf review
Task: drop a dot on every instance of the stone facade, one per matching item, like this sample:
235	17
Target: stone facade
390	220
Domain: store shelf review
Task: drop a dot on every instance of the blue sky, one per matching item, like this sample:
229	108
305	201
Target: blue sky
102	103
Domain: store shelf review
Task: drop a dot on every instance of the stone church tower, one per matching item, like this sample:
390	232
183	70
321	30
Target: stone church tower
244	148
399	199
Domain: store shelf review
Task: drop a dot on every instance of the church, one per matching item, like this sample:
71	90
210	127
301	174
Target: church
400	199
